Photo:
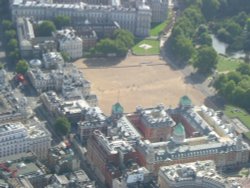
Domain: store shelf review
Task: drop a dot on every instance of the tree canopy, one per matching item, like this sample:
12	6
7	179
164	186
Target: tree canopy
45	28
206	59
7	24
118	44
12	44
62	21
235	86
9	34
209	8
62	125
22	66
65	56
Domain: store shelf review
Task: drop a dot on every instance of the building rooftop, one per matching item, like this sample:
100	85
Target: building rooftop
125	130
200	173
66	35
112	146
32	129
155	117
77	6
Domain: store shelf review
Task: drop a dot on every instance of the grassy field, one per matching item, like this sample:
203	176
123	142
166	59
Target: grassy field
242	115
156	29
151	51
226	64
236	112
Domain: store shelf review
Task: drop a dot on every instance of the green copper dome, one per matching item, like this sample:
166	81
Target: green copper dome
185	101
117	108
179	129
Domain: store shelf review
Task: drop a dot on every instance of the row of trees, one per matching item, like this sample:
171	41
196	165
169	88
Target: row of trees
235	86
12	49
10	41
119	44
46	27
190	40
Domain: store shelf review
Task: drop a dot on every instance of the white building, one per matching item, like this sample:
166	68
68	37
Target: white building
46	81
25	33
131	178
159	10
52	60
69	43
136	20
200	174
17	137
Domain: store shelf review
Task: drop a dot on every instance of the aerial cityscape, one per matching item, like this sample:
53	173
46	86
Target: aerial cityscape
124	94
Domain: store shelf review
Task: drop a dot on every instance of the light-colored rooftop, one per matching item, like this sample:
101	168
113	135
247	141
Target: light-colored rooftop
200	173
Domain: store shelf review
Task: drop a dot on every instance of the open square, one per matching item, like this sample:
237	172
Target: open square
145	81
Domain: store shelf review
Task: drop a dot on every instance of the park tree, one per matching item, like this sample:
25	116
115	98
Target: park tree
13	55
204	39
241	19
244	68
224	35
209	8
183	48
233	28
65	56
62	21
235	76
9	34
12	44
228	89
22	67
106	46
7	24
238	96
45	28
119	44
62	125
126	37
206	59
248	24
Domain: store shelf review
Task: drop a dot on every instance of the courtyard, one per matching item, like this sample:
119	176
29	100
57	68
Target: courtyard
136	80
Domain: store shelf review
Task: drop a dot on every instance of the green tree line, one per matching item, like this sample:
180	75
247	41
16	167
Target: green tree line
235	86
119	44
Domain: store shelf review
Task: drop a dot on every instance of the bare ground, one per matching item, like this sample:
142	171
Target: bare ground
136	81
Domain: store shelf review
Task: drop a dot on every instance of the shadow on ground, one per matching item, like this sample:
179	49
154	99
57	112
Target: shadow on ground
216	102
102	62
195	78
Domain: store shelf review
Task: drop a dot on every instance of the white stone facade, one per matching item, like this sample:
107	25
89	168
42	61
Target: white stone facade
18	138
136	20
70	43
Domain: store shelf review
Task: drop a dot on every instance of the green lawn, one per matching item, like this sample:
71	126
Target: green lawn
156	29
226	64
242	115
151	51
236	112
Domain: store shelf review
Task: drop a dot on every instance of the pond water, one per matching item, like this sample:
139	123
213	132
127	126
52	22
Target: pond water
221	48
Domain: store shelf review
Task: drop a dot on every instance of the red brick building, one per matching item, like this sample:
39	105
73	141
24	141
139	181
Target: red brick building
108	157
154	123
